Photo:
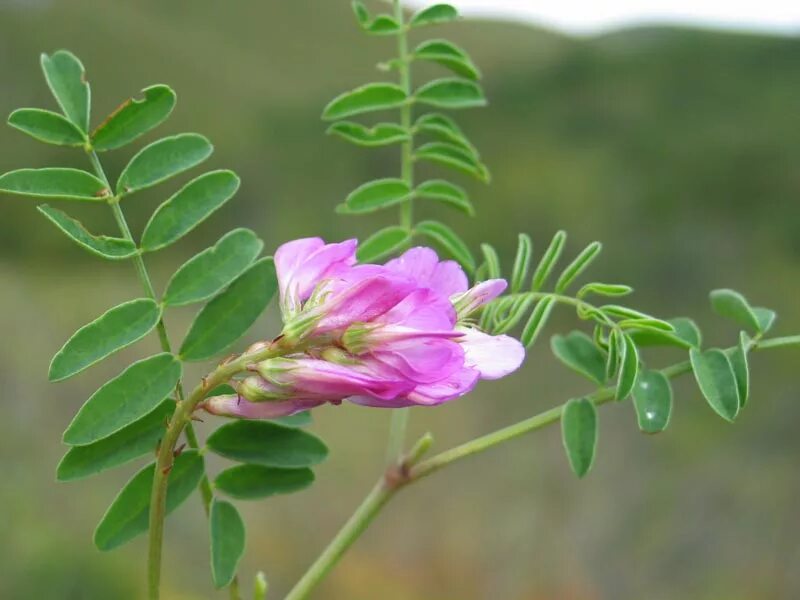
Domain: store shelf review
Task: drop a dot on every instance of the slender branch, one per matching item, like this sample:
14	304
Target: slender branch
411	469
206	492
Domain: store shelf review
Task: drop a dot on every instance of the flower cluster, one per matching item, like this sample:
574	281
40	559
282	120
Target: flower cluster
389	336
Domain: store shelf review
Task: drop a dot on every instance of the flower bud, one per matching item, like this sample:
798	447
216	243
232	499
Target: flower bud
256	389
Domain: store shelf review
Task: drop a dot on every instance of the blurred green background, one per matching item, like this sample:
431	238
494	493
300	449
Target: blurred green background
678	148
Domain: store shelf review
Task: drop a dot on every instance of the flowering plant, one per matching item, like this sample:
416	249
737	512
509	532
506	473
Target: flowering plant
415	331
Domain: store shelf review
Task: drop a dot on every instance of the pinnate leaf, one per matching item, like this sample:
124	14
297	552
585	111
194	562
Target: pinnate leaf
383	243
66	78
579	434
267	444
131	395
228	316
46	126
189	207
115	329
128	515
714	374
130	442
227	541
56	183
251	482
449	240
367	98
652	399
451	93
134	118
110	248
376	195
209	272
163	159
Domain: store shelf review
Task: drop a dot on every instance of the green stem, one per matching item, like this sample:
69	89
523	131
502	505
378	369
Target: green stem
411	469
407	152
399	419
354	527
180	421
206	491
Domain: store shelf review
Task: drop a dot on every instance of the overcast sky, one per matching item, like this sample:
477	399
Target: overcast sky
588	16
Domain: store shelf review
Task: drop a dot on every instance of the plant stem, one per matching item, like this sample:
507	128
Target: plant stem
407	152
354	527
411	470
399	419
181	419
206	493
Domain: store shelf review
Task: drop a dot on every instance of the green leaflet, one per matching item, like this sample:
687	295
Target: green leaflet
115	329
578	352
375	195
267	444
130	442
163	159
56	183
733	305
134	118
628	367
382	134
446	129
367	98
110	248
714	374
46	126
251	482
134	393
652	398
538	319
741	369
437	13
686	334
453	156
128	514
579	434
227	541
66	78
578	266
451	93
449	240
383	243
189	207
549	260
448	55
210	271
228	316
446	193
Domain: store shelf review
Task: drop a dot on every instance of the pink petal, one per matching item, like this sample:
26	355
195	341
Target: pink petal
422	360
422	265
233	406
493	356
456	385
302	264
362	302
422	309
478	295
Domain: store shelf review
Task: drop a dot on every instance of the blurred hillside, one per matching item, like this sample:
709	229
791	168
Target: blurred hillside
678	148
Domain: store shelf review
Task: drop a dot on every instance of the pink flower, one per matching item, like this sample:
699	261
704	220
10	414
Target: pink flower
385	336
